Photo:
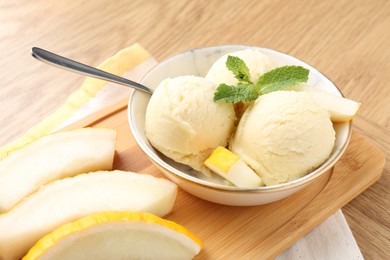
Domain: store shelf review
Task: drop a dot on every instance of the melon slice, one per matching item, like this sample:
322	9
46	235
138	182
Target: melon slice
228	165
117	235
69	199
340	109
53	157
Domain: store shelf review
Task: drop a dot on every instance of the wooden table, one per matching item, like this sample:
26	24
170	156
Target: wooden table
346	40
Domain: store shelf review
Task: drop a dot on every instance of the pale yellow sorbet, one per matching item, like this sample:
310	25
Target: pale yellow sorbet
184	123
283	136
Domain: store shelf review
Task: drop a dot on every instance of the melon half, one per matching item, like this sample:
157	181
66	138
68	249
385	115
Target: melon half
117	235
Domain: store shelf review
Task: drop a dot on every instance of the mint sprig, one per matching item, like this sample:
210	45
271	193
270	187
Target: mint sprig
282	78
277	79
239	69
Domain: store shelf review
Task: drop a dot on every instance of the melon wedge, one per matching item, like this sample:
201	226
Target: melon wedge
69	199
228	165
117	235
53	157
340	109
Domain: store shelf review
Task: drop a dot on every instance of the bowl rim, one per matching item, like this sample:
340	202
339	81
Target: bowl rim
311	176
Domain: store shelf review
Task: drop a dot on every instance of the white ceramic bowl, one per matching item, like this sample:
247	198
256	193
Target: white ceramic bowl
197	62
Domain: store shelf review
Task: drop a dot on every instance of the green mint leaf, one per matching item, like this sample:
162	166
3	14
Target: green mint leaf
281	78
239	69
236	94
277	79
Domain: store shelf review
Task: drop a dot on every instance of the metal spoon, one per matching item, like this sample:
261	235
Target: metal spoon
74	66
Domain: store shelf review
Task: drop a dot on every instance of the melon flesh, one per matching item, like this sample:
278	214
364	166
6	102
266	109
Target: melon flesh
117	235
124	241
53	157
340	109
69	199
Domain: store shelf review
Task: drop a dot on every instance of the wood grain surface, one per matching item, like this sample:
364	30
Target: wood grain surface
257	232
347	40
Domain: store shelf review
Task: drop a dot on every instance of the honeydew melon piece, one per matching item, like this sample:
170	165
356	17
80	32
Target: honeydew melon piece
341	109
69	199
53	157
229	166
117	235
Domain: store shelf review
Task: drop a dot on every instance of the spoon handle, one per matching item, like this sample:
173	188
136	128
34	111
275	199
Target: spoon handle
74	66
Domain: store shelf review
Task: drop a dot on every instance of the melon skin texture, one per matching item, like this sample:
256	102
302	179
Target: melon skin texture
117	235
53	157
69	199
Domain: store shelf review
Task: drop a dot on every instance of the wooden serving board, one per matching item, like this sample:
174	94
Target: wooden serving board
257	232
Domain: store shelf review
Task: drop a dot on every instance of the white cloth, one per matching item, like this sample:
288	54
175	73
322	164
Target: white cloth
332	239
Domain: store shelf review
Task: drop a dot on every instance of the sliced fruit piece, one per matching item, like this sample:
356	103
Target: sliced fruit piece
117	235
229	166
341	109
53	157
69	199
